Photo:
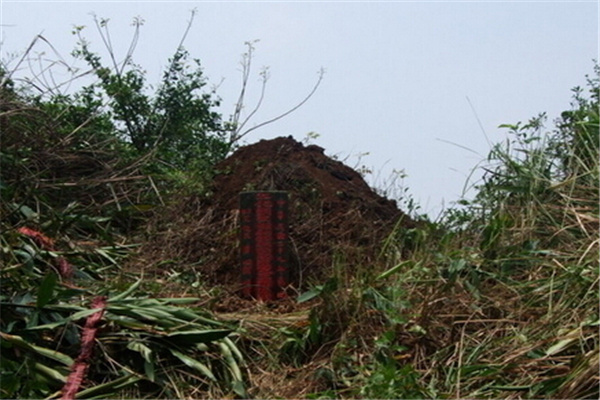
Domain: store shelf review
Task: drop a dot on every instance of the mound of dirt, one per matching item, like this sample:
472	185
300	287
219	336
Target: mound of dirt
334	214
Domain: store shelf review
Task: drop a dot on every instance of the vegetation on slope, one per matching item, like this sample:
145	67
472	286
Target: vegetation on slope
499	299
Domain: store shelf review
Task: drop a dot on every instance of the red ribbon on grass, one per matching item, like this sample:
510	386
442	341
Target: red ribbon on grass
88	335
64	268
81	364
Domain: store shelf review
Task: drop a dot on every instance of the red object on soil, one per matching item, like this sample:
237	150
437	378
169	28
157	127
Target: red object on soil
264	248
42	240
332	213
64	268
88	335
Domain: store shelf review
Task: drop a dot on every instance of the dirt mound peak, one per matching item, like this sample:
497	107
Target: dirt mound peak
305	171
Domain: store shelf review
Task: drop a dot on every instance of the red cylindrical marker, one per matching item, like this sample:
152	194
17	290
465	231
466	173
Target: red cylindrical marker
264	244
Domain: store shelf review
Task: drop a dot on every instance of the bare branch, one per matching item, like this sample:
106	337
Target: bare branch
239	105
312	92
25	54
137	22
187	29
106	39
265	78
237	128
47	84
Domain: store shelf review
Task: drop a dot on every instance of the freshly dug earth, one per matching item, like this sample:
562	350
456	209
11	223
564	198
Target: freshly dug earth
335	217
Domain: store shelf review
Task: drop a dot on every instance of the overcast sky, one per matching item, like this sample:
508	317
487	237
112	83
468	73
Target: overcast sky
403	80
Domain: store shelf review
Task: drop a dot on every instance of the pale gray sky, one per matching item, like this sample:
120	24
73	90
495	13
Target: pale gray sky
398	73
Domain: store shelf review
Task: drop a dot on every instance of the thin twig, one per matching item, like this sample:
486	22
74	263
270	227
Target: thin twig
312	92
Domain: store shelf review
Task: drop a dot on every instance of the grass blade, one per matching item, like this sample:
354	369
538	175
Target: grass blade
74	317
195	364
46	289
238	381
193	337
126	293
50	372
43	351
105	388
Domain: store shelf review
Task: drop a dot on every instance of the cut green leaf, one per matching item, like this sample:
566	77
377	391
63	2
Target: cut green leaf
127	292
193	337
195	364
46	289
45	352
106	388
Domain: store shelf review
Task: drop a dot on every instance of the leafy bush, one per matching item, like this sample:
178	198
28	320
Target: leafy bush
82	168
176	123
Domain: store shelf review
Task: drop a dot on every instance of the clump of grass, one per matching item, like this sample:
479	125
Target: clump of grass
515	304
497	300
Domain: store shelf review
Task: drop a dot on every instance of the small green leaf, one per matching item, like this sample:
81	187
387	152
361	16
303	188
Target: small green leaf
28	212
560	345
127	322
50	372
238	388
234	349
397	268
517	388
147	355
149	370
73	317
46	289
104	388
161	313
310	294
52	354
191	316
238	381
141	348
126	293
105	254
179	300
193	337
195	364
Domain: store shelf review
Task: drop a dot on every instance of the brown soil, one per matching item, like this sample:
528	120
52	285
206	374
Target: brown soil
334	214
